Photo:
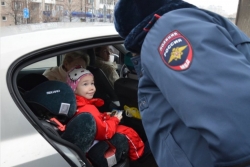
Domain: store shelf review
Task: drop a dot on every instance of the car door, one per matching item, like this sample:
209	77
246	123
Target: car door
37	62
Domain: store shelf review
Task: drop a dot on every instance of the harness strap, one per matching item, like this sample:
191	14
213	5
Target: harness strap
60	126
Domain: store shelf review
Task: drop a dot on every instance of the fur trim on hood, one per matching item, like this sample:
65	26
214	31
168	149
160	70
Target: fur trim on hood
132	16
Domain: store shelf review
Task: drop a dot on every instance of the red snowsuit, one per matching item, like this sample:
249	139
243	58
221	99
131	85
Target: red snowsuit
107	126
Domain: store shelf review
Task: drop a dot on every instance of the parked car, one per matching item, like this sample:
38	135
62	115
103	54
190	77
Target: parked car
31	49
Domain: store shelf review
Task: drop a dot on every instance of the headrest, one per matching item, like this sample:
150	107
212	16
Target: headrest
57	97
29	81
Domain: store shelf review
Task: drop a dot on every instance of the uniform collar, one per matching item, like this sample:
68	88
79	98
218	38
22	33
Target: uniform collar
133	42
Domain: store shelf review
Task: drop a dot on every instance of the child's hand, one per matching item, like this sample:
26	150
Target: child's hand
109	113
113	113
118	115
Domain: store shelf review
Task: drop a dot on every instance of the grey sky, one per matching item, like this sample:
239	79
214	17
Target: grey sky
229	6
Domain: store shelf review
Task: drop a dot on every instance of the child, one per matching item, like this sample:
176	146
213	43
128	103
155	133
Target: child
82	83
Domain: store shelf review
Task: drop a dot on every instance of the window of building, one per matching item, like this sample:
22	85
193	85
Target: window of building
34	6
3	3
47	7
59	8
17	5
19	20
4	18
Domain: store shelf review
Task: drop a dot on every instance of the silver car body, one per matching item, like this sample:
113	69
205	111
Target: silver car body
21	144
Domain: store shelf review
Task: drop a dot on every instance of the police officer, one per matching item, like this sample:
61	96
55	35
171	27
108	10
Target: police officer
194	85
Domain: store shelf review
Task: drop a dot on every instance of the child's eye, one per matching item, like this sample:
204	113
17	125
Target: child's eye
85	84
92	83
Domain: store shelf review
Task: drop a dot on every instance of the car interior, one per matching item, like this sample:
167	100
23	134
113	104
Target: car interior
73	137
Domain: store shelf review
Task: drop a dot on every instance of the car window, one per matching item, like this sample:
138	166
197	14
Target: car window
114	54
50	62
113	50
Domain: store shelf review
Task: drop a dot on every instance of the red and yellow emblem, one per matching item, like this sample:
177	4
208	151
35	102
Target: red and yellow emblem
176	52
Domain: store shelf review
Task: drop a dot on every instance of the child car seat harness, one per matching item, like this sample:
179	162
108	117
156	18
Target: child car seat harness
54	103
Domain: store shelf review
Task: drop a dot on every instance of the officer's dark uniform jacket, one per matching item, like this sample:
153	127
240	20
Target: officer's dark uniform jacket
195	72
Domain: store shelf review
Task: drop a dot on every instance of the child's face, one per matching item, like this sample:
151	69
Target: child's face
86	87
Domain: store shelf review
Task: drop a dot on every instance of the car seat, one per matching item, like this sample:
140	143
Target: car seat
29	81
126	90
54	102
91	53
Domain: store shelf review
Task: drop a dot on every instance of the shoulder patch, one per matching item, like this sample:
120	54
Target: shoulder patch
176	51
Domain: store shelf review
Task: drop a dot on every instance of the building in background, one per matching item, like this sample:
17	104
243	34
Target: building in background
105	10
14	12
42	11
243	19
219	9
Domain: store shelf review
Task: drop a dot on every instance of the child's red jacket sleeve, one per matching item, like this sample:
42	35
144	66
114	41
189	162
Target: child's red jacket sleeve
106	126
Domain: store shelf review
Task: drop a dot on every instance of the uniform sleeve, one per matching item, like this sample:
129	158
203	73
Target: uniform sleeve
210	96
106	125
171	142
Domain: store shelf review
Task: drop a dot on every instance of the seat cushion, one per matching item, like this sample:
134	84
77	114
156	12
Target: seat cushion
97	152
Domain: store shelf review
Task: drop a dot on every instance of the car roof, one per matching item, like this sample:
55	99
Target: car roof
20	40
29	28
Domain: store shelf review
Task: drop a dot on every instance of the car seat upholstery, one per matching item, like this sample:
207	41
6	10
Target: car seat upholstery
119	142
126	91
26	72
81	131
29	81
91	53
52	99
56	99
